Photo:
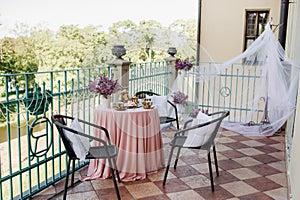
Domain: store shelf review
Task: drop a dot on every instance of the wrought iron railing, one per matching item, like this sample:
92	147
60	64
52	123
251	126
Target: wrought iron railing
32	155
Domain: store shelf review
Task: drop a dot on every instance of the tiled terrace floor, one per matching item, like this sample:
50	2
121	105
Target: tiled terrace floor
250	168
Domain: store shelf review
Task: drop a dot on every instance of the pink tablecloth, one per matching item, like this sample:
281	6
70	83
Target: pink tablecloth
136	133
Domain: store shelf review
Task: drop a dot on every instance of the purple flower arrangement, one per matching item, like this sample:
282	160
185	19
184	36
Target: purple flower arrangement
104	86
183	65
194	112
179	98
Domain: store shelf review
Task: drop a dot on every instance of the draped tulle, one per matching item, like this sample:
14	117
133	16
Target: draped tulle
261	107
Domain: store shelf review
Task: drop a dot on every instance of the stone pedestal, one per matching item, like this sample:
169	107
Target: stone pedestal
171	63
120	68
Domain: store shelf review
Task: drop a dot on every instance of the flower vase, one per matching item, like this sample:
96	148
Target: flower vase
105	102
181	111
182	73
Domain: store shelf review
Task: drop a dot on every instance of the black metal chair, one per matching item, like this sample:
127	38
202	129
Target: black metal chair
105	151
163	119
180	138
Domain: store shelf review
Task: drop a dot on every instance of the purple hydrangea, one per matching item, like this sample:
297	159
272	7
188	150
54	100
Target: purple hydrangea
179	98
104	86
183	65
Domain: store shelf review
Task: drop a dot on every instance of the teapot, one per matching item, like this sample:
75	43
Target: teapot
147	103
135	100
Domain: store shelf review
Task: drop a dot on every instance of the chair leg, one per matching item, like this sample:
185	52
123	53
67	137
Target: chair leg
112	171
216	160
177	123
73	172
116	169
67	179
210	172
177	157
168	166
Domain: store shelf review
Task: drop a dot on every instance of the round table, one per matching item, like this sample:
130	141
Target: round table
136	133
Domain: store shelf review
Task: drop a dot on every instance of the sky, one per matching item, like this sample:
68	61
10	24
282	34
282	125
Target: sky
54	13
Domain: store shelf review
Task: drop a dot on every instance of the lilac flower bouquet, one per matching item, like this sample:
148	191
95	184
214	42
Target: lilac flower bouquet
183	65
194	112
179	98
104	86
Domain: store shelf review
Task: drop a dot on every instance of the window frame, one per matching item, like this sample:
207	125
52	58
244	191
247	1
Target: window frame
256	28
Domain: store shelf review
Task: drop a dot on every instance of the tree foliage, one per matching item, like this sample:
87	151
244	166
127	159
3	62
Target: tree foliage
39	49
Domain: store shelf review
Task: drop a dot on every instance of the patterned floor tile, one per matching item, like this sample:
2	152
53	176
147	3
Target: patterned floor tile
190	160
252	143
239	188
143	190
250	168
279	146
172	185
91	195
262	183
258	196
280	179
267	149
250	151
156	197
183	171
278	194
229	164
225	177
196	181
190	194
264	158
279	155
267	140
159	176
110	193
243	173
247	161
239	137
203	168
236	145
224	140
278	165
218	194
232	154
264	170
222	147
102	183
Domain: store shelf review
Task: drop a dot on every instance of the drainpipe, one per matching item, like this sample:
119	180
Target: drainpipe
284	9
198	32
198	52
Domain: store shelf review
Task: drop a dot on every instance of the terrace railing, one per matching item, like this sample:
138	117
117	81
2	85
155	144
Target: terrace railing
31	153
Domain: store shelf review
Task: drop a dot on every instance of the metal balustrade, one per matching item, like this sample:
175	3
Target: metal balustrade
31	153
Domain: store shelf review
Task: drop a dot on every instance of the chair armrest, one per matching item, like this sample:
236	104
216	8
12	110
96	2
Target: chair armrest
175	108
84	135
186	123
98	127
182	131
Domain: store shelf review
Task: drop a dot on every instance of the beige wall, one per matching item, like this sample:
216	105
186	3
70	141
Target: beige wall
222	32
293	51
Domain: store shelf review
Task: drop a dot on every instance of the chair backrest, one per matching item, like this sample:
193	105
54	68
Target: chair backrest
143	94
210	130
221	115
60	123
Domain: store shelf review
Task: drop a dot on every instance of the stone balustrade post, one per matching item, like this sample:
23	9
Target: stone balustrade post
171	63
120	68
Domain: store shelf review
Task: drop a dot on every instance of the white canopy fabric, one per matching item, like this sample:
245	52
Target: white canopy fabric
277	86
274	93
